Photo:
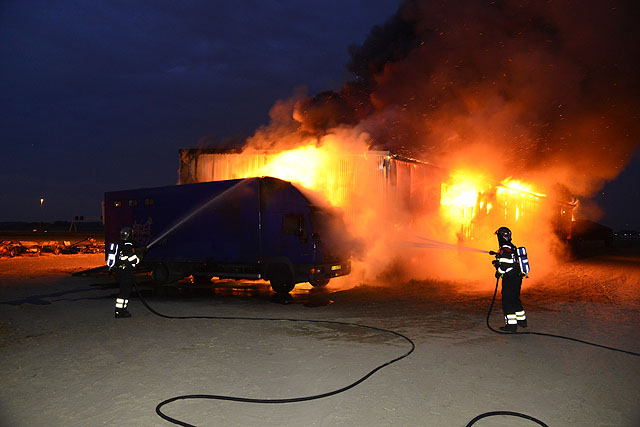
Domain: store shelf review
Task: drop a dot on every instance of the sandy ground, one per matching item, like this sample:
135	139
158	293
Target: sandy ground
67	362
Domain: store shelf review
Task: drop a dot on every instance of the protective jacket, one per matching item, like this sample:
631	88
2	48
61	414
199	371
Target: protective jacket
507	263
126	259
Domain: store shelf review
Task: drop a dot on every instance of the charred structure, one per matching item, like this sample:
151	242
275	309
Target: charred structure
415	187
521	105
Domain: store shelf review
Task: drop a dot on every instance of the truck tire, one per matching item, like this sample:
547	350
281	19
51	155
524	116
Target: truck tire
319	283
281	279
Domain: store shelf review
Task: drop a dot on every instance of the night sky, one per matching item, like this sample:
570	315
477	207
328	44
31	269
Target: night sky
99	96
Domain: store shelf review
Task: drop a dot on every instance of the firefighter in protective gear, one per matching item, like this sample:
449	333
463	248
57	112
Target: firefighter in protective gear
507	267
124	263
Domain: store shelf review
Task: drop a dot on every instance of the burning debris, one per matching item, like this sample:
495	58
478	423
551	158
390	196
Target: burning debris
459	120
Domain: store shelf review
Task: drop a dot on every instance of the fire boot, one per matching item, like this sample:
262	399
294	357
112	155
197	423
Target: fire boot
521	317
121	308
122	312
509	328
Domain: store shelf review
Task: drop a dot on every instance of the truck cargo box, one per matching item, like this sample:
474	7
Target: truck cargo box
253	228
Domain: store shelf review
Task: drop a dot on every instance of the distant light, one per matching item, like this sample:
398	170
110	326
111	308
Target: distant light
41	201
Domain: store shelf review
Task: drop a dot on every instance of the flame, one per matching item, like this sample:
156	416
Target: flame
514	186
386	200
304	165
459	197
320	167
467	197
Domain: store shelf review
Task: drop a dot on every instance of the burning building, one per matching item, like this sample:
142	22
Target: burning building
508	107
388	191
395	179
411	184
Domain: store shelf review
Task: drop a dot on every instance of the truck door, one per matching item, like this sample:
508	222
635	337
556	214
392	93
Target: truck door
295	235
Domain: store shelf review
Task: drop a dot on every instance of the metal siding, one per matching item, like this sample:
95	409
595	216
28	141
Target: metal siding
388	179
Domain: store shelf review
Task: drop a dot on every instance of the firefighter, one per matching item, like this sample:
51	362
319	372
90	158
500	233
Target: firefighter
122	257
508	268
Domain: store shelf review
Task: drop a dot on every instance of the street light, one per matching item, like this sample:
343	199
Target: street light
41	213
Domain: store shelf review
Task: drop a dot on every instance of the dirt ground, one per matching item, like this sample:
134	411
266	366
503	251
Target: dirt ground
67	362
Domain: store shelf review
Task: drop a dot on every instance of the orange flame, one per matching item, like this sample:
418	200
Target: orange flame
386	200
467	195
459	197
304	165
514	186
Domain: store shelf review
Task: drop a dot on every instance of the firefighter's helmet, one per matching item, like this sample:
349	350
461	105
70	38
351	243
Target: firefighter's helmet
125	233
504	235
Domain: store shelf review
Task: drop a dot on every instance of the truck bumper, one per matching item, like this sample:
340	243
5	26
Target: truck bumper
308	273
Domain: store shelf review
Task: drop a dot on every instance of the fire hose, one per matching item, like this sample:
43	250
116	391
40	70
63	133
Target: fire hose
304	398
518	414
283	400
546	334
355	383
435	244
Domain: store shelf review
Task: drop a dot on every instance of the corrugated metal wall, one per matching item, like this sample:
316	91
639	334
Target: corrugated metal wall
375	178
394	179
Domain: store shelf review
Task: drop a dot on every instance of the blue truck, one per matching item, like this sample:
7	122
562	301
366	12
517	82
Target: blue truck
253	228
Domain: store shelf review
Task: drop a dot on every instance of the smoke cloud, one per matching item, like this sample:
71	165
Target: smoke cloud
543	85
543	91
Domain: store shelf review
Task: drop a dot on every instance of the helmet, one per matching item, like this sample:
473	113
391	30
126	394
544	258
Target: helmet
504	235
125	233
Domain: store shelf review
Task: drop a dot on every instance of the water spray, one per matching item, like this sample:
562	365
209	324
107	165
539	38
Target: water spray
435	244
191	215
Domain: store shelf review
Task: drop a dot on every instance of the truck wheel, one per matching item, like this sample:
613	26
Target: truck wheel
281	279
160	274
319	283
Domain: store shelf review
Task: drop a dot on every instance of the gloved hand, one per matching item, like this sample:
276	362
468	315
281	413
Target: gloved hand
493	253
495	263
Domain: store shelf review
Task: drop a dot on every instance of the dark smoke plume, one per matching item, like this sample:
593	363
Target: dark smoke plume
529	87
